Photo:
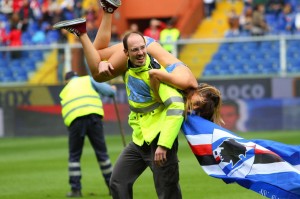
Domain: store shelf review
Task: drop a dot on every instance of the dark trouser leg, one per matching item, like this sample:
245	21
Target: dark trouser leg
97	140
76	140
166	178
130	165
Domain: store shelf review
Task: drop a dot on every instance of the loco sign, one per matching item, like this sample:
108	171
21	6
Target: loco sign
243	89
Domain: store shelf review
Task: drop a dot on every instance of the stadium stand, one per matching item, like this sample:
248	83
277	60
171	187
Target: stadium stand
259	57
220	58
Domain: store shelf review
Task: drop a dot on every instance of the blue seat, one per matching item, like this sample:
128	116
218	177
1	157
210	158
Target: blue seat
29	65
21	78
20	75
243	55
3	63
209	72
15	63
5	72
26	38
270	67
6	75
52	36
238	71
257	56
293	65
250	46
268	45
7	79
295	69
218	56
272	54
237	46
36	55
3	17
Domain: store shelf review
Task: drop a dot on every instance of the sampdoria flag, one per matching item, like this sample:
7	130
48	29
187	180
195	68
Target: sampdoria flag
266	167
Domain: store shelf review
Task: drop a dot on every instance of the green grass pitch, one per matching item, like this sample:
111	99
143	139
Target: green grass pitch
36	168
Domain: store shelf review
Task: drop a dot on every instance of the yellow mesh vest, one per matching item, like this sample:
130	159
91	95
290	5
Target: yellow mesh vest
148	118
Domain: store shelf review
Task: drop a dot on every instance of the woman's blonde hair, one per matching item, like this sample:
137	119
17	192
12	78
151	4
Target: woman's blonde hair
208	104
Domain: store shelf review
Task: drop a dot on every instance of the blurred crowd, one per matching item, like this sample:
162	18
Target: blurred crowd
29	22
25	22
265	17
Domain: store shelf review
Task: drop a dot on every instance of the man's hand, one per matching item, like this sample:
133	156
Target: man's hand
105	68
160	156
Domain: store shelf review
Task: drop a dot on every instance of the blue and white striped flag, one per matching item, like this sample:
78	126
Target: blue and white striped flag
266	167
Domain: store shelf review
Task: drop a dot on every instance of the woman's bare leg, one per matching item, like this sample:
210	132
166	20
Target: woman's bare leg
103	36
181	77
92	56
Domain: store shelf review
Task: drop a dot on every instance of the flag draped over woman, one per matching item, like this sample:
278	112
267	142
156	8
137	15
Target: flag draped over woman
266	167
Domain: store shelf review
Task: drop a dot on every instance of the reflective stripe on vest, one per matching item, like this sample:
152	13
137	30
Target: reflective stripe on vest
79	98
146	109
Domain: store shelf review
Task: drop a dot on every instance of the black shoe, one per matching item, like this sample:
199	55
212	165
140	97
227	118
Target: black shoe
74	194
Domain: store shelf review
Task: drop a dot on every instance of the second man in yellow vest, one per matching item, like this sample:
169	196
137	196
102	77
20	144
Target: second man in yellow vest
82	111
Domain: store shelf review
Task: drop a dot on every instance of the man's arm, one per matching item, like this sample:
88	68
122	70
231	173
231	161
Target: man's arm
104	88
174	111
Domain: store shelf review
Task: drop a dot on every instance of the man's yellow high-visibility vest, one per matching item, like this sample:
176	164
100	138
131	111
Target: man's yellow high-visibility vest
169	35
148	117
79	98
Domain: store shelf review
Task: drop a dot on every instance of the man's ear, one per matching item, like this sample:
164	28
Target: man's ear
125	51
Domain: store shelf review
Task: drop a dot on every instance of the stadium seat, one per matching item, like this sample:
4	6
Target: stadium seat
237	46
209	72
243	55
3	63
268	45
15	63
20	75
26	38
250	46
6	75
270	67
36	55
293	65
29	65
257	56
219	56
52	36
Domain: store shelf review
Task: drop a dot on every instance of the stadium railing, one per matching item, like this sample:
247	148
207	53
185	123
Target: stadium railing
231	57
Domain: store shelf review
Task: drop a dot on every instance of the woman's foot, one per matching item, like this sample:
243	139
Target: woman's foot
75	26
110	6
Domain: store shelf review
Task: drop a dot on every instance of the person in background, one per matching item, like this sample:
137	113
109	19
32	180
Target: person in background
170	34
259	25
154	29
286	19
230	113
25	15
246	21
6	7
234	24
133	27
3	34
82	112
115	37
209	7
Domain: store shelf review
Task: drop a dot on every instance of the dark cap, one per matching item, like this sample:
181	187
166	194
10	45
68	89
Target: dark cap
70	74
